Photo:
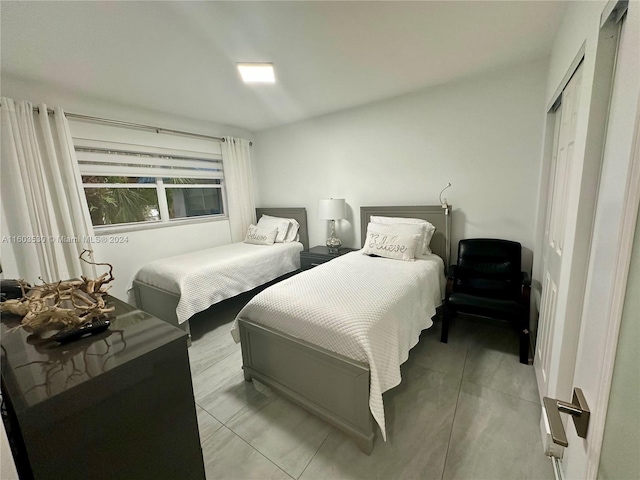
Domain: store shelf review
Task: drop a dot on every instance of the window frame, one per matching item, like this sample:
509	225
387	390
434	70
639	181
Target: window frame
165	204
87	151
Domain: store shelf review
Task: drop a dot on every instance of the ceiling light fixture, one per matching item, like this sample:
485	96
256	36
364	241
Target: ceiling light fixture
257	72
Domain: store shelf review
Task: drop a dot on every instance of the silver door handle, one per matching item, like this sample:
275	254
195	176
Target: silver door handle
579	411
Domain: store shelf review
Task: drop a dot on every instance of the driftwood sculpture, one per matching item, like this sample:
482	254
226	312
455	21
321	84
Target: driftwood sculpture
63	305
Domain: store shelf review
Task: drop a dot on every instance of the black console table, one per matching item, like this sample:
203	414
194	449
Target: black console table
117	405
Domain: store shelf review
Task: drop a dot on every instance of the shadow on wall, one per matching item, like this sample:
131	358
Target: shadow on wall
458	232
348	229
527	260
344	230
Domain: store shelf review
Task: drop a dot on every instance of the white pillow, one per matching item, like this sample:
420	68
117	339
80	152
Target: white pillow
426	249
428	234
398	241
260	236
281	224
294	226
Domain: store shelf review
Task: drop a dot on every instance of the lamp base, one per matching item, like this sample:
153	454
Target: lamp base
332	245
333	242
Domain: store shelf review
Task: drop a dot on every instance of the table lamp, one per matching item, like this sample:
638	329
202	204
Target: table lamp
332	209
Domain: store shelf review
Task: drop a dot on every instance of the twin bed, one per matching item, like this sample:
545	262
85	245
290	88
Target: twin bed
176	288
332	339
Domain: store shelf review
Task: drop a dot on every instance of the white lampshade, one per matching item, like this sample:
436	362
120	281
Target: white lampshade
332	209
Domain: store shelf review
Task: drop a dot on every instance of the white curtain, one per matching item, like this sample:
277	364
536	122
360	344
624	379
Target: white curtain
46	223
236	161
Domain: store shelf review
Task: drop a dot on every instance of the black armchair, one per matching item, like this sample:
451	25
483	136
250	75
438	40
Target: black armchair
488	281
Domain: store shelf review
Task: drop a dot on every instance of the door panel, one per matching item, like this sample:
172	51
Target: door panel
589	231
553	249
616	208
549	296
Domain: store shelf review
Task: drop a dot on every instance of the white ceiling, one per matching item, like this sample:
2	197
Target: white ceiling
179	57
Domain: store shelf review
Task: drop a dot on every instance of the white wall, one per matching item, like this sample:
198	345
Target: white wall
621	443
482	134
53	95
145	245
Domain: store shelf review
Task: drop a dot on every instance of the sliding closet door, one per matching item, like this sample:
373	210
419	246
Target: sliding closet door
552	328
588	247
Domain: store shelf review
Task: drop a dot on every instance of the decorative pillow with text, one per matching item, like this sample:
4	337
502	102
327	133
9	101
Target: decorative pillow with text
387	245
428	230
261	236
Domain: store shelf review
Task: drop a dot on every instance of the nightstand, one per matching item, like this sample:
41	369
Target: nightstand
320	254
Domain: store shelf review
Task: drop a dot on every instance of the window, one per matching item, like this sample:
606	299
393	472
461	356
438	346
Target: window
130	184
114	200
189	197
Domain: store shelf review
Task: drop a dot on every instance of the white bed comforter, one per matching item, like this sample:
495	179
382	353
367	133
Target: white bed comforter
368	309
206	277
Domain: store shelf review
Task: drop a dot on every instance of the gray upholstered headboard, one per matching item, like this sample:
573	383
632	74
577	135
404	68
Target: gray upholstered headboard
434	214
298	213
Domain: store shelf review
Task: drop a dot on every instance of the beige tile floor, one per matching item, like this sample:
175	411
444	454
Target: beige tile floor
464	410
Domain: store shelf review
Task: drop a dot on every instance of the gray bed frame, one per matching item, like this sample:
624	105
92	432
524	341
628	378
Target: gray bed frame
162	303
329	385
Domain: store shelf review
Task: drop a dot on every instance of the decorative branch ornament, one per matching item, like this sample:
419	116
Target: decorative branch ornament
62	305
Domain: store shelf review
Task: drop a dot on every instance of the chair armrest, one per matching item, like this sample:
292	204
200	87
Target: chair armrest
525	279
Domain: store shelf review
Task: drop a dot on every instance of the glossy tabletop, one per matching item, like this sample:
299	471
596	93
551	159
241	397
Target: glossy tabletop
37	372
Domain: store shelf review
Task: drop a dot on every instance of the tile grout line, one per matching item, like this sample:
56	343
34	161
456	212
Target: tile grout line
455	411
212	416
193	377
262	454
499	391
224	425
241	438
504	393
493	389
314	456
244	408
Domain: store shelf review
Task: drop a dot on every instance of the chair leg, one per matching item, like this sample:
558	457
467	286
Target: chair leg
446	316
524	346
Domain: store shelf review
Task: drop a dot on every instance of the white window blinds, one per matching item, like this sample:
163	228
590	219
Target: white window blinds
97	157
